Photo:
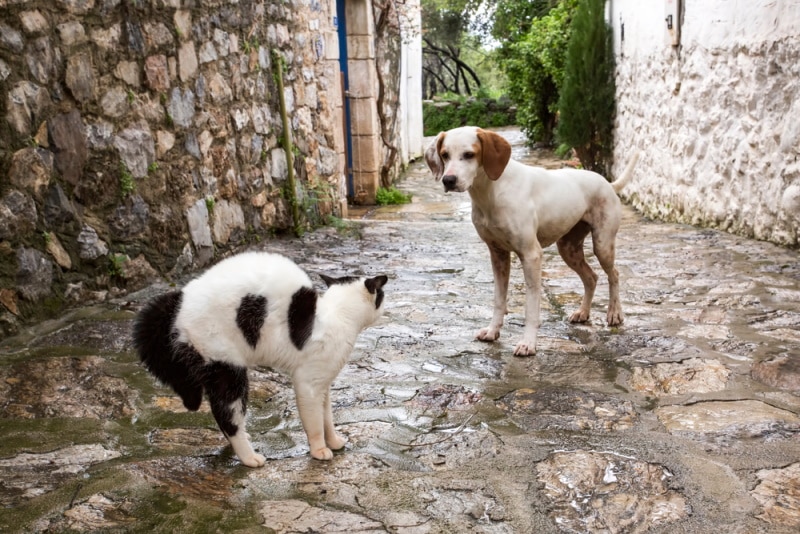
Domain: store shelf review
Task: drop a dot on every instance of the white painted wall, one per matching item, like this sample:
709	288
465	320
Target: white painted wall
410	111
717	118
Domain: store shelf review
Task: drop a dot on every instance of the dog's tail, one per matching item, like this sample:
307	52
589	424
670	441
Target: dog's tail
176	364
626	175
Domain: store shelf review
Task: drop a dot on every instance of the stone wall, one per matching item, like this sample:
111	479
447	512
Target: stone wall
716	117
141	137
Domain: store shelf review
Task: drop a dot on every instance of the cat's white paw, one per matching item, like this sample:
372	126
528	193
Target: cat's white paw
322	454
254	460
335	443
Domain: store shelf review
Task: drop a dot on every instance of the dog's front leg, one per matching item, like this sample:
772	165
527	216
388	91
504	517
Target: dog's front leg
501	267
532	268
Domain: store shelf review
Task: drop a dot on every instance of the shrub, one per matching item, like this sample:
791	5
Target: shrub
390	196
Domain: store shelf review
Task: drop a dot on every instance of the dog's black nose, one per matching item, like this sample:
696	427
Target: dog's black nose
449	182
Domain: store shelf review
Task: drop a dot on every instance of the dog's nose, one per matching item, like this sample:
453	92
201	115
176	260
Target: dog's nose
449	182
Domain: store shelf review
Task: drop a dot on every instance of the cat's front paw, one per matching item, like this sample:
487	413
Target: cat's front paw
254	460
322	454
335	443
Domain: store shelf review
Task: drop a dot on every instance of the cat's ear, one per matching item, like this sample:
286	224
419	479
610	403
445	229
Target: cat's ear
374	284
329	281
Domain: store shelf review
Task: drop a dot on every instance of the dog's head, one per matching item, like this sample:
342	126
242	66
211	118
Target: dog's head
458	156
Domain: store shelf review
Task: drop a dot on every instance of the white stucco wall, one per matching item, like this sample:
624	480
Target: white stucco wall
717	118
411	81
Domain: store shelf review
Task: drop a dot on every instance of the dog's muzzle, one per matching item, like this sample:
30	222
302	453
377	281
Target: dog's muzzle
449	182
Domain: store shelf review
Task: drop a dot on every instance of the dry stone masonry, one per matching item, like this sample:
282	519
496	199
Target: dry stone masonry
143	136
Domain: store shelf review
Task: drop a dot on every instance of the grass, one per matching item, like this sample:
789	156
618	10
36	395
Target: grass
391	196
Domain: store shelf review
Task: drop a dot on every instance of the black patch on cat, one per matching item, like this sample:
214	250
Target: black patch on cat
375	286
301	316
250	317
225	384
329	280
177	365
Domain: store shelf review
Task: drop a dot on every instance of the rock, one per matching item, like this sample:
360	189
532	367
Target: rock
228	216
298	516
11	38
33	22
181	107
197	217
41	59
31	169
781	372
26	101
80	77
695	375
137	149
17	215
71	33
8	298
34	274
138	271
58	209
594	492
68	136
156	73
91	246
731	420
778	492
56	249
187	61
130	218
563	409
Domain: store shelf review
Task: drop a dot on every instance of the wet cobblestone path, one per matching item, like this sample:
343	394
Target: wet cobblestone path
684	419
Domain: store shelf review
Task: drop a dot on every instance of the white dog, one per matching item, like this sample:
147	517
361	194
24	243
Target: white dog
522	209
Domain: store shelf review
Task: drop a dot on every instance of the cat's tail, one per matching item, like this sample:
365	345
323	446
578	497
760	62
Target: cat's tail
176	364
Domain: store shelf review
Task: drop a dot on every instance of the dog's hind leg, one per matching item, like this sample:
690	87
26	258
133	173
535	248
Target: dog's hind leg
501	268
603	243
570	247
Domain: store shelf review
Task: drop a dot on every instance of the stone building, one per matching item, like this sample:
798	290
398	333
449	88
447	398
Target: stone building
709	91
145	137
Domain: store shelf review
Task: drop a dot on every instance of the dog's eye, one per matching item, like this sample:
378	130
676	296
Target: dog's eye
445	156
468	155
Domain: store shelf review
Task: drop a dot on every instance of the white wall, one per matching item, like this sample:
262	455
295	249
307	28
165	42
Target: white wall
717	118
411	82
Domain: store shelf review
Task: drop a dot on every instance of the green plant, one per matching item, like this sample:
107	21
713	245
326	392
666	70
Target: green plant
115	264
390	196
131	96
127	184
153	167
210	202
586	104
534	64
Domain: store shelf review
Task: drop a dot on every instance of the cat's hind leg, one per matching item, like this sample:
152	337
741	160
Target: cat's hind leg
332	439
227	388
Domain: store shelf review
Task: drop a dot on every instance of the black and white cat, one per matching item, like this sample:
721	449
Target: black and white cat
257	309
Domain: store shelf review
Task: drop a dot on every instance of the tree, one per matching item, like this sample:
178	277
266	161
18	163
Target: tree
444	24
534	64
586	102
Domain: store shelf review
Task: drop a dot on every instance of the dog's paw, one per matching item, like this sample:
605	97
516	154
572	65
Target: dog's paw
614	318
525	348
488	334
580	316
254	460
322	454
336	442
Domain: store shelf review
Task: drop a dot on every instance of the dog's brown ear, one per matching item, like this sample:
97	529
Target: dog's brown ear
496	152
432	158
